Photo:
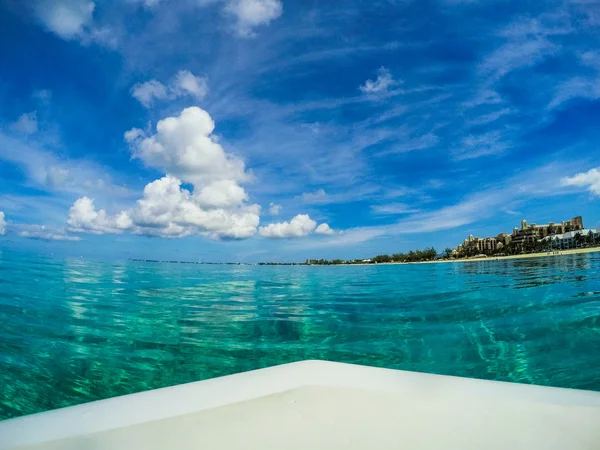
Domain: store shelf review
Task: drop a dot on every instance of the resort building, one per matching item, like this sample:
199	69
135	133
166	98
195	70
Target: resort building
484	245
530	234
570	240
527	235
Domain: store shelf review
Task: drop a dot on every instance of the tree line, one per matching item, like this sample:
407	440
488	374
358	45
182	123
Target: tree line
428	254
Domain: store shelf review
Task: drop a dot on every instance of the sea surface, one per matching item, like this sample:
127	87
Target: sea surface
72	331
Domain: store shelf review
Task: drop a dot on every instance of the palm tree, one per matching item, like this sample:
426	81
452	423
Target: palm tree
590	239
578	239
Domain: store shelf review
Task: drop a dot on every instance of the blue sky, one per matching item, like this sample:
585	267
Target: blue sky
253	130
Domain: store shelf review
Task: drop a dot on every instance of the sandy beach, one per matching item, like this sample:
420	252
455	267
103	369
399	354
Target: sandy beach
490	258
528	255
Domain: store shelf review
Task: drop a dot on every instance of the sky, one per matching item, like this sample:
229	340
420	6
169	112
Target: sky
281	130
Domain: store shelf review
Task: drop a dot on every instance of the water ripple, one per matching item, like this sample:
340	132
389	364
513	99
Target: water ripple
73	331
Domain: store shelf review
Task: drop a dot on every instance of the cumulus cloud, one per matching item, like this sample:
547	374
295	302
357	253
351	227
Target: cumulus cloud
185	147
301	225
182	147
275	209
84	218
589	180
250	14
167	210
2	223
73	19
383	82
185	83
324	229
27	123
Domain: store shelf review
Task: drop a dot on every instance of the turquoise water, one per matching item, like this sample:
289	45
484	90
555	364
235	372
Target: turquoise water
73	331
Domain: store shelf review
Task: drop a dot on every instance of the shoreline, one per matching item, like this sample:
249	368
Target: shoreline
573	251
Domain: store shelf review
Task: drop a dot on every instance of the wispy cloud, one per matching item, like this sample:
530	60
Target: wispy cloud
472	208
486	144
302	102
409	144
584	85
392	209
27	123
321	197
382	83
44	233
47	171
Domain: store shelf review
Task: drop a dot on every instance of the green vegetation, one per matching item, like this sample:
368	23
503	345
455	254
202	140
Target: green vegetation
428	254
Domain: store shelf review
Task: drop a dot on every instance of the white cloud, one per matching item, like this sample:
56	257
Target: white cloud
589	180
185	147
299	226
105	36
83	218
324	229
27	123
146	92
274	209
2	223
383	82
45	234
315	197
221	194
66	18
253	13
185	83
167	210
74	20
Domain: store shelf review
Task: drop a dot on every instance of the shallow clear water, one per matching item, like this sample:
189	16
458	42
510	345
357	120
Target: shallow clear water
73	331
